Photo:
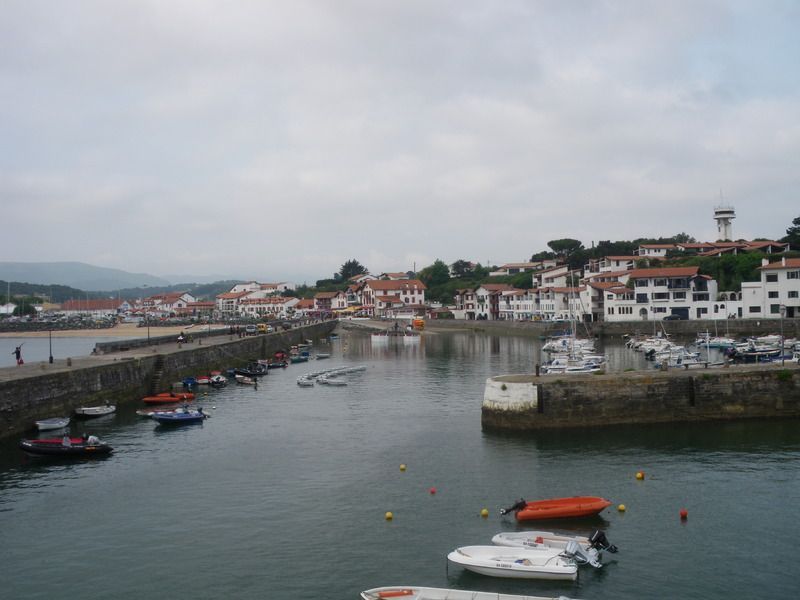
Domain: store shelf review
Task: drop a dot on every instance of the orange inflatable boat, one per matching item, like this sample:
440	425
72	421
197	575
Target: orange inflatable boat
557	508
168	397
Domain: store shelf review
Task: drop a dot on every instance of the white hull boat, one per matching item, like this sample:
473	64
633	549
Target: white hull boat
89	412
53	423
409	592
516	563
584	550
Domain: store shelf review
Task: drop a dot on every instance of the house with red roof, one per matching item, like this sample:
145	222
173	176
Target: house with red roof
376	294
777	294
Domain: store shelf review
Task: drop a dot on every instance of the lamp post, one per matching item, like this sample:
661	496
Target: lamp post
50	338
782	310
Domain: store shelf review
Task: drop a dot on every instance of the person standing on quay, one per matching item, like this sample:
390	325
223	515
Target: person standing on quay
18	354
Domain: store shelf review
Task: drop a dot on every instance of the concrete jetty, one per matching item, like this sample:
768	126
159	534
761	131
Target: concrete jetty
39	390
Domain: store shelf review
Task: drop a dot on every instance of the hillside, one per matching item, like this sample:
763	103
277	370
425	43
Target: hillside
77	275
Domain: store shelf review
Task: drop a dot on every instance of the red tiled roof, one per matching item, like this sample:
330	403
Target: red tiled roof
91	304
623	257
326	295
231	295
397	284
789	263
658	246
305	303
604	285
664	272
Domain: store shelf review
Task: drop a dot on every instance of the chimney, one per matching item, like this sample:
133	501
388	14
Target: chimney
783	261
764	262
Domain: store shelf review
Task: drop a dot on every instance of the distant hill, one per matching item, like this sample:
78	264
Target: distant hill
77	275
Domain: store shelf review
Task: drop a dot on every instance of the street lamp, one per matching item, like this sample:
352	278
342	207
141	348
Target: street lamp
50	337
782	310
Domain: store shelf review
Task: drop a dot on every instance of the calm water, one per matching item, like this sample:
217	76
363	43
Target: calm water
282	493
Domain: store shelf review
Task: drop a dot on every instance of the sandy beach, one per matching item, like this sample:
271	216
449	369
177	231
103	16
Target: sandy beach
127	330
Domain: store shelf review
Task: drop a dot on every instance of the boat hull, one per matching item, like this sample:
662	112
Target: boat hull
562	508
178	418
515	563
54	447
91	412
426	593
52	424
168	398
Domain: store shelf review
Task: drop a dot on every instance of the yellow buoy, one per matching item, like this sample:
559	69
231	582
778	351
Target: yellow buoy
402	467
389	516
484	512
639	475
621	508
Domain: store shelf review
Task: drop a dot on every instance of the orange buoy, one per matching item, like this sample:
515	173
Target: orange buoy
621	508
402	467
484	512
432	491
388	516
639	475
684	514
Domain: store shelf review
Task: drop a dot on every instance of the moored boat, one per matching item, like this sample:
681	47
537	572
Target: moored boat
557	508
516	563
77	447
52	423
180	417
584	550
411	592
168	398
217	380
90	412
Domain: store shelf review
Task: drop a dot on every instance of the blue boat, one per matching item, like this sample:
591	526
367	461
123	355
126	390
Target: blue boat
181	417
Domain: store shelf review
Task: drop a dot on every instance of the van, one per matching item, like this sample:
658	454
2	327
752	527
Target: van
262	328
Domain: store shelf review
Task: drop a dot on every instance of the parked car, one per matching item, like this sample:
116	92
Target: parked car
675	317
250	330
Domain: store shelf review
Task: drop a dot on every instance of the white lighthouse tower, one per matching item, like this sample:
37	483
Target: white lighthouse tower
723	215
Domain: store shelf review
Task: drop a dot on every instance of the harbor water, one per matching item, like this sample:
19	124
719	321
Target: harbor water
282	493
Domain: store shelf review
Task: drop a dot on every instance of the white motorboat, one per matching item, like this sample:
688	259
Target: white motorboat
411	592
584	550
52	423
518	563
305	382
89	412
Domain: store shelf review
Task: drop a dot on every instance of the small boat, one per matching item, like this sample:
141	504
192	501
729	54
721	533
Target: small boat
189	382
90	412
168	398
245	380
305	382
254	369
217	380
203	380
298	359
517	563
322	355
277	364
180	417
408	592
584	550
557	508
52	423
77	447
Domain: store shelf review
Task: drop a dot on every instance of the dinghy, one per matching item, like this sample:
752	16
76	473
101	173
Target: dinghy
52	423
180	417
517	563
557	508
78	447
90	412
584	550
168	398
426	593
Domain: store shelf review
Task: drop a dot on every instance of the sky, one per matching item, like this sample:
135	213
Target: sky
276	140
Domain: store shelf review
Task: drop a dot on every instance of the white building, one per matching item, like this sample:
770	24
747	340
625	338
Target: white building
779	286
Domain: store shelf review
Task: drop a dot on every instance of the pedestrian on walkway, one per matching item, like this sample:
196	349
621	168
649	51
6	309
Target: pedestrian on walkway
18	354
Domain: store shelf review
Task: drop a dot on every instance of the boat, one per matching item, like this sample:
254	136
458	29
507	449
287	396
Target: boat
584	550
78	447
305	382
412	592
298	359
217	380
168	398
517	563
203	380
52	423
90	412
277	364
396	332
245	380
180	417
322	355
254	369
557	508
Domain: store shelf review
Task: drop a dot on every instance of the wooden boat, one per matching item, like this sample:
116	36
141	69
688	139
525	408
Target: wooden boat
557	508
180	417
409	592
168	398
90	412
55	447
52	423
516	563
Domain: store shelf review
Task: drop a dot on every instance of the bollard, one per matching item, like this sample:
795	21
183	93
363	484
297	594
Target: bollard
69	362
537	369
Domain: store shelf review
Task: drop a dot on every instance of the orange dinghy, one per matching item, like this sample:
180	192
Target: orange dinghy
557	508
168	397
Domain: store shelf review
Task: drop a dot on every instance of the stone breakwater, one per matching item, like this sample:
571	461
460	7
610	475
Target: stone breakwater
28	394
529	403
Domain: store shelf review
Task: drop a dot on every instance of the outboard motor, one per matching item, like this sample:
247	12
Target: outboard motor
599	541
519	505
590	556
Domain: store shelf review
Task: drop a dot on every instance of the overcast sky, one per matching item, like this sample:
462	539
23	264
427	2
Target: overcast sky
276	140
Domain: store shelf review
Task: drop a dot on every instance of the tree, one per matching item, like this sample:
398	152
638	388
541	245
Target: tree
543	255
436	274
793	234
351	268
565	246
461	268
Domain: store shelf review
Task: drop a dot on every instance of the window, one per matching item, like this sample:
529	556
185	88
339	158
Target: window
661	296
772	277
611	310
702	311
793	294
659	309
679	295
792	274
775	309
641	298
754	309
772	294
640	282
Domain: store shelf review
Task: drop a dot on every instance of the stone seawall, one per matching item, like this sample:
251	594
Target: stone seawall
25	399
529	403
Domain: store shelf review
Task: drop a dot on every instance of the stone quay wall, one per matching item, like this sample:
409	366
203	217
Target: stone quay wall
127	379
529	403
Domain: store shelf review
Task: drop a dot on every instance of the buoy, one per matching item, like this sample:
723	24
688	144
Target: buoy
432	490
213	408
388	516
639	475
684	514
484	512
402	467
621	508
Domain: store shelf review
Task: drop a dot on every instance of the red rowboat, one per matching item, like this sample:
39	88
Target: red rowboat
168	397
558	508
